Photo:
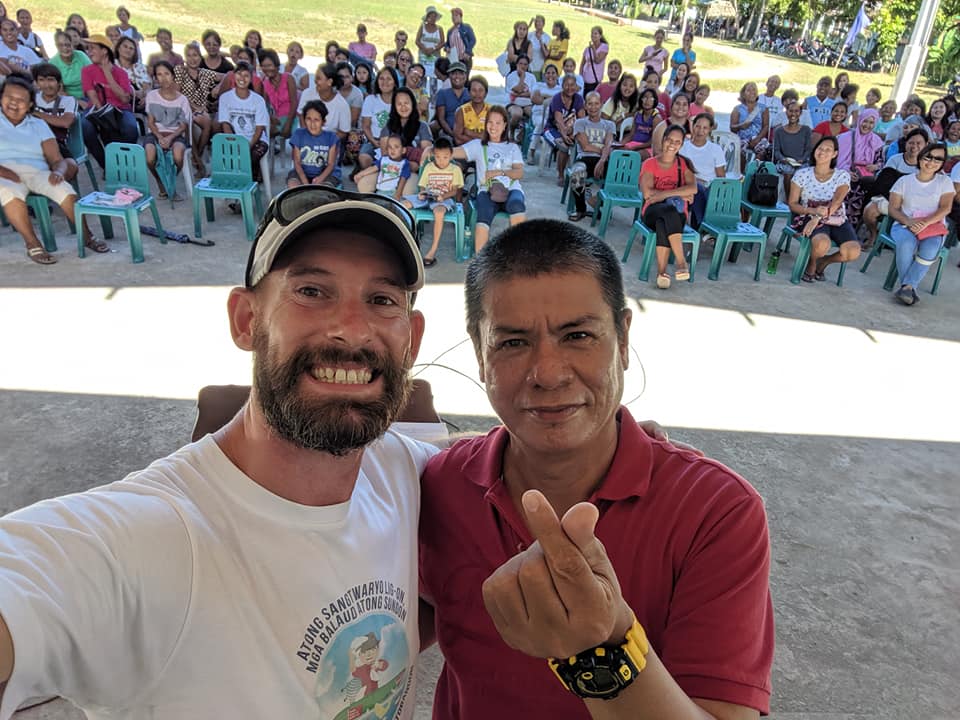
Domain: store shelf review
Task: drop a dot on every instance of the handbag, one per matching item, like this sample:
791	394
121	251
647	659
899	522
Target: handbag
838	218
679	204
764	188
105	118
497	190
933	230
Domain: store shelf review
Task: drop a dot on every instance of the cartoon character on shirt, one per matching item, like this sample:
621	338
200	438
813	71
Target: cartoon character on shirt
366	665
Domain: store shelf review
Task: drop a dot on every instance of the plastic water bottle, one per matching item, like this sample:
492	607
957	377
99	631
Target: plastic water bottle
773	262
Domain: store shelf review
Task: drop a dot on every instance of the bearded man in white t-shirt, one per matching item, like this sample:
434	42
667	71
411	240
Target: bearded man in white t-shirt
269	569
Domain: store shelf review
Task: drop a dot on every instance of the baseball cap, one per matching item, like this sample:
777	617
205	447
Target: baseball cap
296	211
457	67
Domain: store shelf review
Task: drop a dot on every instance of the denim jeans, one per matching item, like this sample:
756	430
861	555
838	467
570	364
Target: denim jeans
487	208
914	257
128	134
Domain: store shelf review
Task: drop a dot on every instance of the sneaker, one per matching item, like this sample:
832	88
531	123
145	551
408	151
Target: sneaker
905	295
916	298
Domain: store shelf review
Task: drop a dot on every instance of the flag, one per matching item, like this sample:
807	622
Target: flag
860	23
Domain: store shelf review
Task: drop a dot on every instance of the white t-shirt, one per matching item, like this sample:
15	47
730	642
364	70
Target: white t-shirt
921	198
705	159
813	189
955	173
338	111
187	590
22	56
538	50
513	79
498	156
378	111
67	104
900	165
244	114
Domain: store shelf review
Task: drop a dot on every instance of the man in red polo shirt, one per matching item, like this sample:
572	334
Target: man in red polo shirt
651	594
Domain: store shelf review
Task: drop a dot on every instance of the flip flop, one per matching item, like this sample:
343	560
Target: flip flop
808	278
681	274
663	281
40	256
98	246
429	262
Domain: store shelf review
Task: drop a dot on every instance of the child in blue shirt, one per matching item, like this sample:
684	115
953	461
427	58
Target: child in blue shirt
315	150
392	171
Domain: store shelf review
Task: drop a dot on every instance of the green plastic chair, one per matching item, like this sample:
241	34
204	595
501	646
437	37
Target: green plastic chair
126	168
621	188
41	211
471	211
884	239
690	237
231	178
722	220
761	213
457	218
79	152
803	256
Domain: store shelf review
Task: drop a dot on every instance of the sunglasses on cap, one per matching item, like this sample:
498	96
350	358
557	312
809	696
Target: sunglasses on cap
297	209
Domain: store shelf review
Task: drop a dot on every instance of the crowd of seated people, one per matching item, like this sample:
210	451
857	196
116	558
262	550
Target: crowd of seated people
381	111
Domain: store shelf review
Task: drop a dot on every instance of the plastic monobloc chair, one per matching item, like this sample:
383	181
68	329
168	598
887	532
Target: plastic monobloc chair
230	178
126	168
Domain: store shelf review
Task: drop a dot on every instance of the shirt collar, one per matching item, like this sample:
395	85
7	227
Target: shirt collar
628	476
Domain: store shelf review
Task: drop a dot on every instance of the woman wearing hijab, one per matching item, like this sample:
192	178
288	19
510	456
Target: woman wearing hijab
860	151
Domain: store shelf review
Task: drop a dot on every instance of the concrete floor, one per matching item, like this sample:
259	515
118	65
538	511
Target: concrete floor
837	403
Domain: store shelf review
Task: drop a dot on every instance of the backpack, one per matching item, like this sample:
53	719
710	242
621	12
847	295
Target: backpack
764	188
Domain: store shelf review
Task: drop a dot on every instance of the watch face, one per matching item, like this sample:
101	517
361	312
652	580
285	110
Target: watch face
597	682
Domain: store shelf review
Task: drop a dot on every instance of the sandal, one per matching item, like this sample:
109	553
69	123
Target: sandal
40	256
807	277
681	274
576	217
663	281
819	276
98	246
161	194
429	261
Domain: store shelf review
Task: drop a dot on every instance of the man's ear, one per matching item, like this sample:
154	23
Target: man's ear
417	325
625	343
240	311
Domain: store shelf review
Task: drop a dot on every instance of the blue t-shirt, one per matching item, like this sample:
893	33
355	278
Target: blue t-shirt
450	102
820	110
679	56
315	151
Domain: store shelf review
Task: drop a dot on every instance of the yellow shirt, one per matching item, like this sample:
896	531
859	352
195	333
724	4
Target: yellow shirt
557	47
472	120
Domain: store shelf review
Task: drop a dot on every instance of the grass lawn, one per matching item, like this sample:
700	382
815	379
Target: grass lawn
725	65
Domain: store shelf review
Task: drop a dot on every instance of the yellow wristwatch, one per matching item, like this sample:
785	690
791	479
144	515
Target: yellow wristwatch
604	671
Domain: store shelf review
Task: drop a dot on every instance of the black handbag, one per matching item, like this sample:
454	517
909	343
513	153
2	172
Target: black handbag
106	118
764	188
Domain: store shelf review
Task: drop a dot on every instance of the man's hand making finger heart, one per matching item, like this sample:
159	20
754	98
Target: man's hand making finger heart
560	596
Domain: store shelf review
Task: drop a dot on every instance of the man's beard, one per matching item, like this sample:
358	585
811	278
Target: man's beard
334	426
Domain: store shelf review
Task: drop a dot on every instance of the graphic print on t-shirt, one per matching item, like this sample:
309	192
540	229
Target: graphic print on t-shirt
243	121
357	647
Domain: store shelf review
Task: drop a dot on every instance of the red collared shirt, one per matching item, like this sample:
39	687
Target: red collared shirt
687	537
